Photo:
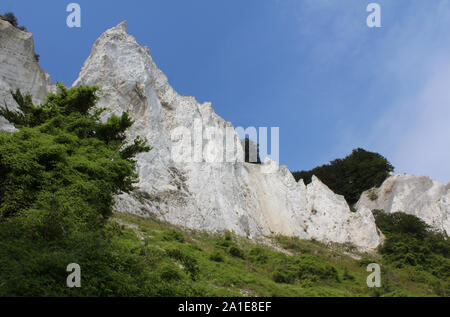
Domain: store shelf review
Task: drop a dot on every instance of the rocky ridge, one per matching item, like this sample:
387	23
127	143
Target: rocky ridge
419	196
19	69
208	195
212	191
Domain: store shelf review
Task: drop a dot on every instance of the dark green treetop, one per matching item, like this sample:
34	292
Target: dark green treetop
356	173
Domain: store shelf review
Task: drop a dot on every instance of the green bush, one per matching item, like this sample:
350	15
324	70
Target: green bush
173	235
308	267
258	255
373	195
170	273
223	243
304	269
347	276
411	242
236	252
401	223
283	275
190	263
217	256
227	236
290	243
227	244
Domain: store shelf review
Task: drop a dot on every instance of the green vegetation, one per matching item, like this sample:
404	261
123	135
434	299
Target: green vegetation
356	173
135	258
411	244
372	195
58	175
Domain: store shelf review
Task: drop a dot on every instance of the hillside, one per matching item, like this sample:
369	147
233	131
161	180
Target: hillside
196	263
289	267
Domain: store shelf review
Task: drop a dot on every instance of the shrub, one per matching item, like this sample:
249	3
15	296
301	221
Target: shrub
401	223
258	255
347	276
372	195
228	236
173	235
190	263
293	243
308	267
236	252
169	273
410	242
282	275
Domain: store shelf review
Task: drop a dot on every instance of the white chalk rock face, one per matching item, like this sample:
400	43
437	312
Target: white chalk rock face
195	175
416	195
211	188
19	68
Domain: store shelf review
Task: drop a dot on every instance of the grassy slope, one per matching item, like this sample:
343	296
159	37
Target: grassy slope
204	264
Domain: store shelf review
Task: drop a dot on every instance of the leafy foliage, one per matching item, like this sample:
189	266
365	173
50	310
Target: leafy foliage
401	223
58	176
411	243
356	173
64	163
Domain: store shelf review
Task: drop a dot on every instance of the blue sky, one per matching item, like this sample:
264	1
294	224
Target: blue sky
311	67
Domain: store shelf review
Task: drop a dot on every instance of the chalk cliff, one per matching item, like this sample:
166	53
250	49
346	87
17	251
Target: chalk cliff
18	68
213	191
189	179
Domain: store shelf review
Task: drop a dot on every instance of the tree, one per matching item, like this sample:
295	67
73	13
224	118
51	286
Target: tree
61	170
59	174
356	173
